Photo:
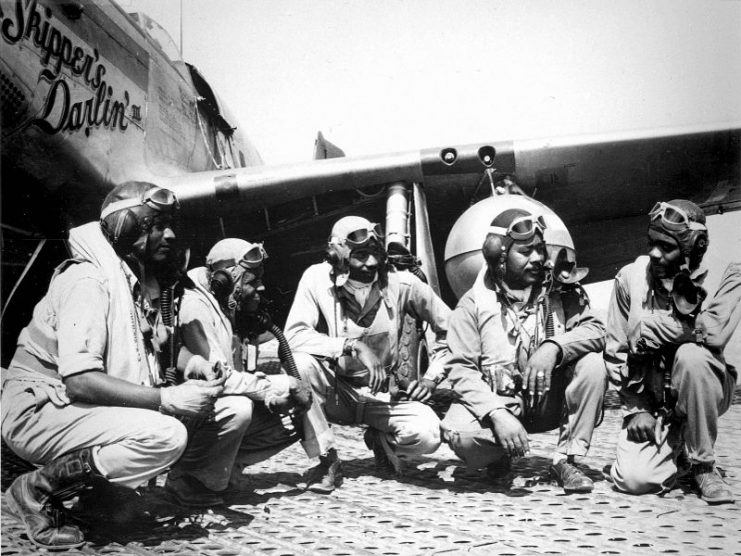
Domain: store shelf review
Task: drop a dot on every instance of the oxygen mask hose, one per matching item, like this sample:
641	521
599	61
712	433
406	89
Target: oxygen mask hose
303	395
168	319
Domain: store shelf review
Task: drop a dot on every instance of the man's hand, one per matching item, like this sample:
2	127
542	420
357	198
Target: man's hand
365	355
536	378
298	399
198	368
642	427
509	432
420	390
656	330
194	398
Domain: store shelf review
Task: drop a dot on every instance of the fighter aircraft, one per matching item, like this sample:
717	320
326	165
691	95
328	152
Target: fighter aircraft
93	96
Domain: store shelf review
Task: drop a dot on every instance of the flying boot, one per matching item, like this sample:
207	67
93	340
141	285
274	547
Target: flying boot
326	476
383	452
35	499
710	484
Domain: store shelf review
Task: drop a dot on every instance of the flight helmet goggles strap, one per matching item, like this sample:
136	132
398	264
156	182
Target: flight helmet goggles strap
521	228
157	198
674	218
361	236
254	257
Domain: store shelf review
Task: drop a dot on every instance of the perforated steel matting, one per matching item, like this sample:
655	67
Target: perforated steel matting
438	507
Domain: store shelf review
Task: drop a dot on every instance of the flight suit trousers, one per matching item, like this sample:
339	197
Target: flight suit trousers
241	433
574	403
130	445
411	427
244	432
703	388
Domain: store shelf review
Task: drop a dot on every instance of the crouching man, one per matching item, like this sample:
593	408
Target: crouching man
666	357
80	398
248	426
523	359
344	327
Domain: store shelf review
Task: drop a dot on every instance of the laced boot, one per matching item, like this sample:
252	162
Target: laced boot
499	469
570	477
35	499
712	487
123	508
326	476
189	492
239	483
386	458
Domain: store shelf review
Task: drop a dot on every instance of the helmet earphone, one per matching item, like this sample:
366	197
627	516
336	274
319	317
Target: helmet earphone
127	212
699	242
338	253
495	250
123	228
684	222
334	254
221	281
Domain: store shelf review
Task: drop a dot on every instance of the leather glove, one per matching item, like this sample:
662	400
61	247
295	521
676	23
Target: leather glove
298	398
194	398
198	368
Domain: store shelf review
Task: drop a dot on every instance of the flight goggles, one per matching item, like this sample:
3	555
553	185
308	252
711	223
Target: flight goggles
673	218
156	198
253	257
364	235
522	228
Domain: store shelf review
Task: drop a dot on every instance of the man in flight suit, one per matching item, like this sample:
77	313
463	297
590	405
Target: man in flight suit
344	327
82	397
665	356
521	353
247	427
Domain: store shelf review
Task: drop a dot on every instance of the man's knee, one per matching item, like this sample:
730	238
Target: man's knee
419	440
689	358
305	362
590	369
420	435
164	439
235	412
309	368
694	368
640	479
168	437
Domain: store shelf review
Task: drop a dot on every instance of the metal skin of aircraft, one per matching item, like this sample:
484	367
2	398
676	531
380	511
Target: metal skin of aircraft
92	96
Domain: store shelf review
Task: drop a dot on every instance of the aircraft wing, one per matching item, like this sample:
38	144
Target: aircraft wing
601	186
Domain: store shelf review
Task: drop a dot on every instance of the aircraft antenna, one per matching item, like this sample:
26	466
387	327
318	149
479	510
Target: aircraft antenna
181	28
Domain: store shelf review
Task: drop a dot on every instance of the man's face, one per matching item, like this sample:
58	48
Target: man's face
665	254
525	263
248	289
158	245
364	263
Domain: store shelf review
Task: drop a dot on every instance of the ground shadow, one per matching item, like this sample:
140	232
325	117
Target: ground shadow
454	476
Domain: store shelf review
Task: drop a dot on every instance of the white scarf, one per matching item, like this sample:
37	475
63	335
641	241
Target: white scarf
126	356
360	290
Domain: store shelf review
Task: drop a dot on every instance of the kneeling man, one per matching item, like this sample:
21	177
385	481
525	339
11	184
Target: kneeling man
524	358
345	325
665	356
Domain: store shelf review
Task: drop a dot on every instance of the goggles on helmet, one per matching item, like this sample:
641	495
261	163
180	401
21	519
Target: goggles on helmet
161	199
156	198
673	218
522	228
250	260
253	257
364	235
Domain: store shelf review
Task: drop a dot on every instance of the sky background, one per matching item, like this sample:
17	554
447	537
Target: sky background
392	75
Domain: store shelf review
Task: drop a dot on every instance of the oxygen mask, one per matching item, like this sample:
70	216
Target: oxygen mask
686	294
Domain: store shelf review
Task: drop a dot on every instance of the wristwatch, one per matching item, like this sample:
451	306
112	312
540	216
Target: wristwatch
350	347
